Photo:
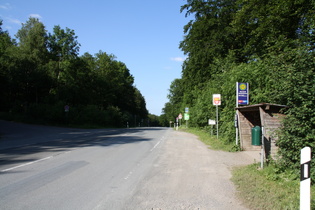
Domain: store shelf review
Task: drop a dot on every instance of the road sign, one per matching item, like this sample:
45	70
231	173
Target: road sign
186	116
186	110
180	116
216	99
211	122
67	108
242	93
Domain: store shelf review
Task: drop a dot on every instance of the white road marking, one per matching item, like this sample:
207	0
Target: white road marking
155	146
127	177
26	164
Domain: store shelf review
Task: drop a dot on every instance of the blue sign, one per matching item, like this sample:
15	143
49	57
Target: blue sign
242	93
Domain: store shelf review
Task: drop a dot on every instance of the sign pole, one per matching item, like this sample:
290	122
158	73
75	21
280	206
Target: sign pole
217	121
186	116
242	98
305	184
236	127
216	100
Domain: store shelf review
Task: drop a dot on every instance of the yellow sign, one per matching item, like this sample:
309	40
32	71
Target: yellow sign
216	99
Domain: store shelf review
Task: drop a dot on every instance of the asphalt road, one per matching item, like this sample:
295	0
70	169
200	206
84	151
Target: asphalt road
57	168
143	168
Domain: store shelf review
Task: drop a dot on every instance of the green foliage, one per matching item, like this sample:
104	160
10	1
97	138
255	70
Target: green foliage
63	44
298	70
154	120
43	72
267	189
206	136
270	45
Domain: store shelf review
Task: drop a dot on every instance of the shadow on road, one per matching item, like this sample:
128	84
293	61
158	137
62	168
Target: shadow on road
22	143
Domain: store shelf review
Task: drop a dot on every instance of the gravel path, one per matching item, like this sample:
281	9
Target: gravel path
188	175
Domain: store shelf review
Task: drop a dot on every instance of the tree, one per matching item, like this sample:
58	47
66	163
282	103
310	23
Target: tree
140	105
294	72
270	26
63	43
29	78
5	44
63	46
33	40
42	73
230	41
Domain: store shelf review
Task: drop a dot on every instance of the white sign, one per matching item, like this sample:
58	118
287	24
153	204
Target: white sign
180	116
216	99
211	122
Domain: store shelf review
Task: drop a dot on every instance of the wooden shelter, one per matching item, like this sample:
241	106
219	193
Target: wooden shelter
264	115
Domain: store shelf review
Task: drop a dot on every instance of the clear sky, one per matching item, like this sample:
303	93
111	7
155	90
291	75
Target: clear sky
144	34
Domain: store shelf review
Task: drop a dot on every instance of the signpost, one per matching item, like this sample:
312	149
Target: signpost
67	107
212	123
242	93
242	98
180	117
216	100
186	116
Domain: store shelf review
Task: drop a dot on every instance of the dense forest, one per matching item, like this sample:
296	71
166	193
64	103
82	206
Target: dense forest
43	79
269	44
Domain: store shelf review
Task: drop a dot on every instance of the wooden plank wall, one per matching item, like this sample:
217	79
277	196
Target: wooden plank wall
271	122
245	127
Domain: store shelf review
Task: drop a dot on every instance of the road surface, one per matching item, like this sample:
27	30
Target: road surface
142	168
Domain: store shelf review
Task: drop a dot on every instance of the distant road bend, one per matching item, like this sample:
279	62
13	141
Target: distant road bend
45	167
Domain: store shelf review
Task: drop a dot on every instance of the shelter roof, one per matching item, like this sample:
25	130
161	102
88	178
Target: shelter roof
265	106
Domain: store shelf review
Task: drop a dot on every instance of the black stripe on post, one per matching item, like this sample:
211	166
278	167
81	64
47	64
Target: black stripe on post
305	176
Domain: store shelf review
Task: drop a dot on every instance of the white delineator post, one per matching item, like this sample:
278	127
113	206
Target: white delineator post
305	184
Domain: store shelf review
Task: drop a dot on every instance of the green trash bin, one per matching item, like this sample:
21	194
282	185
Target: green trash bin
256	136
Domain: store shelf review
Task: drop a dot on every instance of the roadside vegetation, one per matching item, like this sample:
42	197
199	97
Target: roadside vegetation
267	188
44	80
211	140
271	46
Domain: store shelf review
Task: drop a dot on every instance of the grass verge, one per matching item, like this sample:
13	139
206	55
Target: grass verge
267	189
257	188
211	140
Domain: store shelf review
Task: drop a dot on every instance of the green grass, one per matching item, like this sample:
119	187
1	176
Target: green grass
211	140
266	188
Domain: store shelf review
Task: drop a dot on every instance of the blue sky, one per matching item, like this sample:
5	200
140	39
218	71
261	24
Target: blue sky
144	34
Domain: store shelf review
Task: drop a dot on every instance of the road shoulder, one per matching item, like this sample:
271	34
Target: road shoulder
188	175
